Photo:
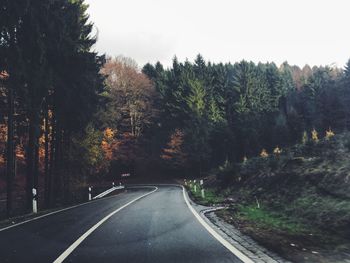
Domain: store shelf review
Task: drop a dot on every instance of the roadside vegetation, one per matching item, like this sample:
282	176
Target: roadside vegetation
211	196
295	202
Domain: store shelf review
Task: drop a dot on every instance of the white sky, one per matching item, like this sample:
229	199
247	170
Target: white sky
314	32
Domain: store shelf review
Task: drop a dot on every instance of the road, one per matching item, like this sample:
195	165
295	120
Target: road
157	227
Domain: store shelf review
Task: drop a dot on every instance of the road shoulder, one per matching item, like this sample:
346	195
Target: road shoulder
243	243
23	219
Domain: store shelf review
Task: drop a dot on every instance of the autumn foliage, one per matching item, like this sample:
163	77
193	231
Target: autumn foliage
174	152
108	143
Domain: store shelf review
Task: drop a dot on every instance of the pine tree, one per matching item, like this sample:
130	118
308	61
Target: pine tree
11	14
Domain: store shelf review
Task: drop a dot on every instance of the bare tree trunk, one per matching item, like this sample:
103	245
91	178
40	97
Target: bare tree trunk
132	123
10	151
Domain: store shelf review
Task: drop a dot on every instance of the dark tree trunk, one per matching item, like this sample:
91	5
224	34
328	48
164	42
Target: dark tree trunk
58	161
52	162
10	151
30	163
47	174
36	163
32	158
67	166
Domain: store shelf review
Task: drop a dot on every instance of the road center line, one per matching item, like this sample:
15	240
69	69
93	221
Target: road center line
69	250
224	242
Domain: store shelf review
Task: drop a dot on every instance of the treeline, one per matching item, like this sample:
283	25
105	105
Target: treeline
211	113
69	115
50	83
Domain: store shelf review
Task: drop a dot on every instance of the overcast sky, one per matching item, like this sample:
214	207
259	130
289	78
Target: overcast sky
314	32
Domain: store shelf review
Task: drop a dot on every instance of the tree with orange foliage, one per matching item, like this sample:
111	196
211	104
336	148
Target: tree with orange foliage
129	112
174	153
108	143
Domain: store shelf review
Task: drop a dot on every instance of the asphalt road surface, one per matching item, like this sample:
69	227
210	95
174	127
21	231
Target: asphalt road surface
141	225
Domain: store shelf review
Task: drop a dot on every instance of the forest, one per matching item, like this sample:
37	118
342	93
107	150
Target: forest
69	116
214	113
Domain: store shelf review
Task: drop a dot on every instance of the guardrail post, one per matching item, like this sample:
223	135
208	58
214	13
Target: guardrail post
35	203
90	188
202	193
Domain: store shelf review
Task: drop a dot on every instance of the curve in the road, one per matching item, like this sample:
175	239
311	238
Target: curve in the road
139	225
224	242
69	250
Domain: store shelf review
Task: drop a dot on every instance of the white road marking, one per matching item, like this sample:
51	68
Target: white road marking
224	242
69	250
52	213
108	191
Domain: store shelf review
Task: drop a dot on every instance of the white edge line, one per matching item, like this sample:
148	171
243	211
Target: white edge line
52	213
108	191
71	248
224	242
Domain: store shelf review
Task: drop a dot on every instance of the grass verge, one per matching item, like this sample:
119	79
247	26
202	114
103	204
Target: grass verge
210	198
292	237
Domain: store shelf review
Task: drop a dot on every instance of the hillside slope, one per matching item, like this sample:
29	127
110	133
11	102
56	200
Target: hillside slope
296	203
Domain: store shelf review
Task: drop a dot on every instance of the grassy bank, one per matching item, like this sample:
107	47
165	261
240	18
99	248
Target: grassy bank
211	196
296	203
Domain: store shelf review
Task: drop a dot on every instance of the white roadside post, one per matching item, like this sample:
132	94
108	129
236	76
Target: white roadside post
185	182
35	204
113	184
195	188
190	183
90	193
